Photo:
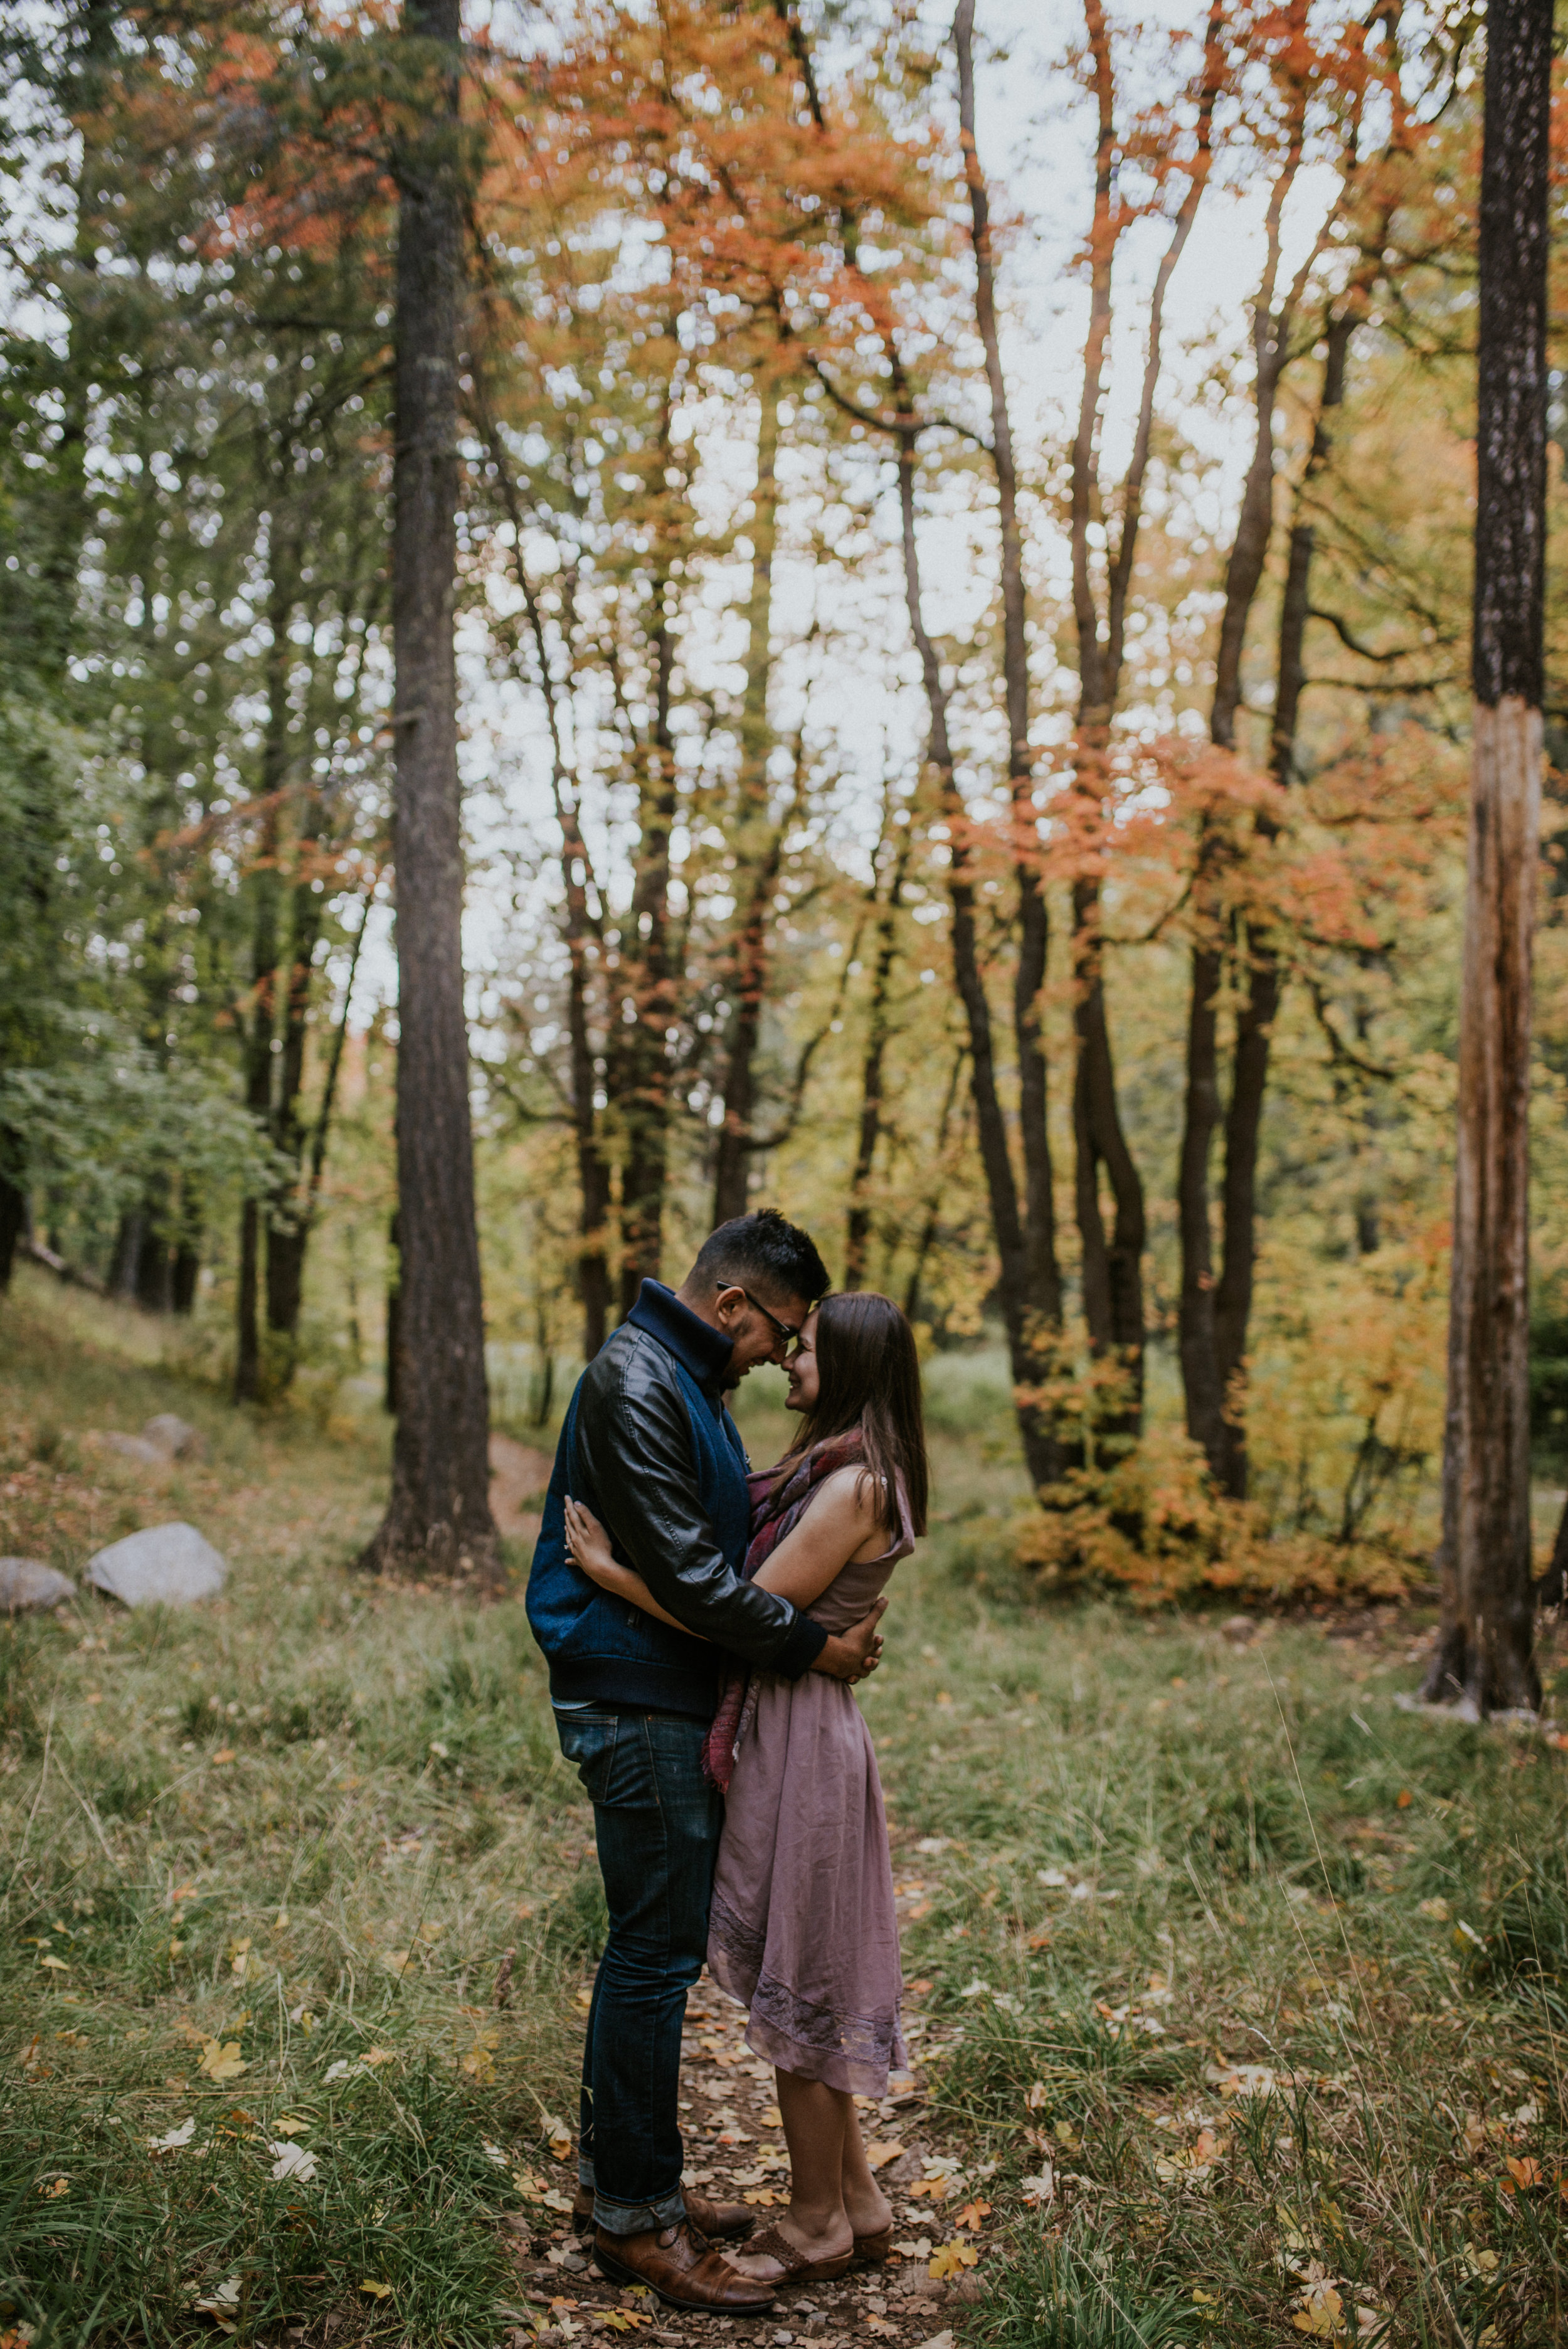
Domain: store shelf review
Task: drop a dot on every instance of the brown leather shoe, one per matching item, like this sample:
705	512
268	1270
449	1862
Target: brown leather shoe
722	2222
683	2271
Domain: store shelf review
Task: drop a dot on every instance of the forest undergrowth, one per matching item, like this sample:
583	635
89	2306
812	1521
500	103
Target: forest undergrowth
1236	1992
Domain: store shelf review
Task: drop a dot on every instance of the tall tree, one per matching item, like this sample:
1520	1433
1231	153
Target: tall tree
438	1518
1485	1648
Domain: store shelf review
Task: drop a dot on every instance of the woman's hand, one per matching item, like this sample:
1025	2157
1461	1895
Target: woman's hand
590	1546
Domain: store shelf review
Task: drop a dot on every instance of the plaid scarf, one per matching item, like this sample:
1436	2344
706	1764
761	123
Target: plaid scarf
778	1503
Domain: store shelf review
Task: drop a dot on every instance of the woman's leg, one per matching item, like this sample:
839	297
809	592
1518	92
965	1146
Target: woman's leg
866	2207
817	2121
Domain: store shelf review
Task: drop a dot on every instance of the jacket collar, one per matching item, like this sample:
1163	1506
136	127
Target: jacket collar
700	1348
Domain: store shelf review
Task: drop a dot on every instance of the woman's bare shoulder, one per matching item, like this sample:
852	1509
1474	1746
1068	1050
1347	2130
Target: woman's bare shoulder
851	1485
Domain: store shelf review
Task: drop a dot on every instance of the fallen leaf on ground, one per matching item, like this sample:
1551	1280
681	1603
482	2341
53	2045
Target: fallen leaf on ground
291	2161
287	2126
914	2246
176	2138
762	2197
972	2215
1525	2172
51	2188
221	2062
952	2258
224	1753
374	2056
221	2301
375	2290
1039	2190
878	2154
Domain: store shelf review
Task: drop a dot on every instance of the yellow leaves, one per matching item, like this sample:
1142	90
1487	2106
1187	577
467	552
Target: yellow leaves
221	2062
51	2188
953	2259
1320	2313
625	2319
879	2153
556	2134
1403	1799
53	1964
1036	2096
972	2216
223	1756
286	2125
374	2289
374	2056
762	2197
480	2064
1523	2175
773	2118
395	1960
1194	2164
240	1959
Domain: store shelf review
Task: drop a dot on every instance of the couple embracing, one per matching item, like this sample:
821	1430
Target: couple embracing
704	1626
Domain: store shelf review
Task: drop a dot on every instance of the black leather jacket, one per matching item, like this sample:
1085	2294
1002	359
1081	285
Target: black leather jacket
636	1467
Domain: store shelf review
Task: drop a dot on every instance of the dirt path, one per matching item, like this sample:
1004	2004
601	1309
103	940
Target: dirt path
735	2151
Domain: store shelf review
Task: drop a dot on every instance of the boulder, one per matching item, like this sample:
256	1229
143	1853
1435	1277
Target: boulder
163	1566
24	1584
137	1448
175	1438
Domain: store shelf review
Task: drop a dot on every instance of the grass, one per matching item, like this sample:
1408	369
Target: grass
309	1821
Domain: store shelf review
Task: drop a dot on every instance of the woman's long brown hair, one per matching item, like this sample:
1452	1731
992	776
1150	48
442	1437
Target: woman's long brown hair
869	1377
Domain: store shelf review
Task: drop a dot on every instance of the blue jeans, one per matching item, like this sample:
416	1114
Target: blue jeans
656	1821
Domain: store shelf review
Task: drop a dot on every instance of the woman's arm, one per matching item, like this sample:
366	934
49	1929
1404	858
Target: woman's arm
590	1546
843	1519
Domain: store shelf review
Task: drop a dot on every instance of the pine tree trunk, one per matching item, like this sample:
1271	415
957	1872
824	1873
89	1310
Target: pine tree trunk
437	1521
1485	1650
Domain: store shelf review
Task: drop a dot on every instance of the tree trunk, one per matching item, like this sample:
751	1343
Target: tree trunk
1256	1015
392	1368
438	1518
13	1226
1212	1402
753	842
1485	1650
929	1229
1030	1331
583	929
258	1100
859	1223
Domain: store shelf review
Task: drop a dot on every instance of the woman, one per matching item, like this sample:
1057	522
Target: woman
803	1929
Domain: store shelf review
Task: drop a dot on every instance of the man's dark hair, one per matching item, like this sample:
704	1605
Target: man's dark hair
762	1250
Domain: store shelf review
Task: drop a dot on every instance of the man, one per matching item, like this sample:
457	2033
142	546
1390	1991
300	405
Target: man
649	1446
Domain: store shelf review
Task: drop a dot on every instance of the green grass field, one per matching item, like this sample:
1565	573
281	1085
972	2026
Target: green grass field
1237	1991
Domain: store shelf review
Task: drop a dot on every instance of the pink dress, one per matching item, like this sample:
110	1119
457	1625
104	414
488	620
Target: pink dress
804	1929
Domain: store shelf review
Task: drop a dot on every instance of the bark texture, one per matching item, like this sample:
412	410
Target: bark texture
1485	1648
439	1520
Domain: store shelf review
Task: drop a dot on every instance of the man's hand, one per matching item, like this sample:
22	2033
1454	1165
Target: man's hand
850	1655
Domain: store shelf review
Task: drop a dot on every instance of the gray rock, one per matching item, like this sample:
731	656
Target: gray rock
137	1448
25	1583
169	1566
175	1438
